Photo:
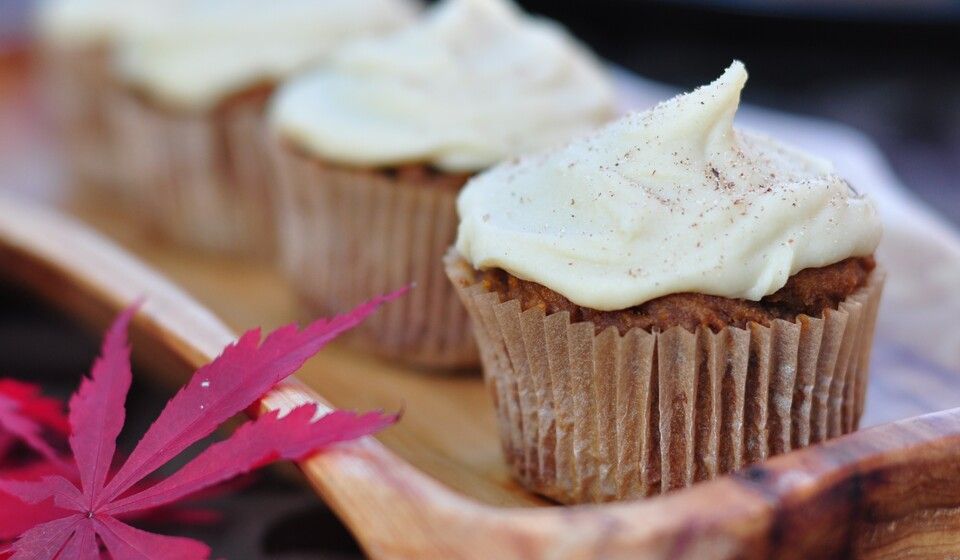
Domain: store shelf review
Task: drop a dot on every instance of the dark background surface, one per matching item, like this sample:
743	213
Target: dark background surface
888	68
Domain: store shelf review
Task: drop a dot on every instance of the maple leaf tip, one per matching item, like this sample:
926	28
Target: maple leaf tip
396	294
122	321
128	312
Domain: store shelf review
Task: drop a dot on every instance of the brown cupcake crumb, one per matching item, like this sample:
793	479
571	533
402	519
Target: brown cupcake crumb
809	292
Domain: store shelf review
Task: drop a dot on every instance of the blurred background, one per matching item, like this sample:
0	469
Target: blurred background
889	68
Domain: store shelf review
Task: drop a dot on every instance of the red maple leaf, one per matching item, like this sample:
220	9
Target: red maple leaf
26	416
236	379
16	516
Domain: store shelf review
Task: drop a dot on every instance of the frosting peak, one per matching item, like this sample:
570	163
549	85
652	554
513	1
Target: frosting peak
670	200
705	112
472	83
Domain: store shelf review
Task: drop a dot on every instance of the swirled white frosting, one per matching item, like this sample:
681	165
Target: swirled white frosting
670	200
196	56
84	22
473	83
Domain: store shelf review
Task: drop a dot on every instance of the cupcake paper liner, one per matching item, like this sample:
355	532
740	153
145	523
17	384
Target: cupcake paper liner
200	179
77	87
594	417
347	235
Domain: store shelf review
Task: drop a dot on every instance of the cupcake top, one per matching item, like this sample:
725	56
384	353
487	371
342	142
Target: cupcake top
73	22
669	200
207	50
474	82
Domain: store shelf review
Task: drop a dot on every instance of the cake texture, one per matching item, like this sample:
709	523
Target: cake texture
593	415
667	300
810	292
374	147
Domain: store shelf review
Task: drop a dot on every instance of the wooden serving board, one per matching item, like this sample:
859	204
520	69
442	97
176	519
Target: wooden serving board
435	486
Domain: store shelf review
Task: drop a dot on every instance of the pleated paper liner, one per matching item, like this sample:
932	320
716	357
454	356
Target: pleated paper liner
200	179
76	86
347	234
594	417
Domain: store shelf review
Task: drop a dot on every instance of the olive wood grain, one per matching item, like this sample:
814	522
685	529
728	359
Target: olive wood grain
891	491
435	486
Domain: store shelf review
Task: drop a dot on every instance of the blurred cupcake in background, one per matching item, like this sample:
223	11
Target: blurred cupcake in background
193	90
373	148
76	38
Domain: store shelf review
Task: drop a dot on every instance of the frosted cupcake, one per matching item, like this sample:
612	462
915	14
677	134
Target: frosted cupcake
374	148
195	85
667	300
76	40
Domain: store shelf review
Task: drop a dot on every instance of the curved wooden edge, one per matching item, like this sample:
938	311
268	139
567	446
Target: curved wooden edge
879	493
873	494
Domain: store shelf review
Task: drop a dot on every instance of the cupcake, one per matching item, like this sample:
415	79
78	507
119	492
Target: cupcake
667	300
75	39
194	88
373	148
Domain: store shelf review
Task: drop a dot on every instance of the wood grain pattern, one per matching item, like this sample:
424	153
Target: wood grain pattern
435	486
463	451
881	493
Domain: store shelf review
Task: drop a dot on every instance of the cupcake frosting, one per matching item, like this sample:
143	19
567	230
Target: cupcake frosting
669	200
72	22
206	50
474	82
